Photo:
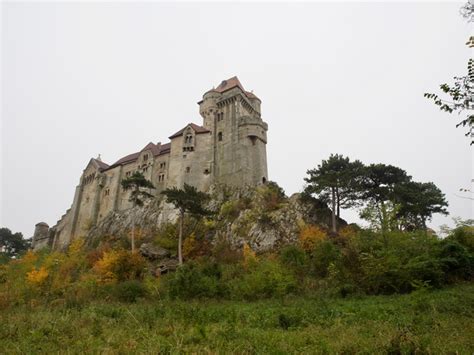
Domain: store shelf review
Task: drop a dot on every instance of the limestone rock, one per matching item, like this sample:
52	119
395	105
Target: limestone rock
153	252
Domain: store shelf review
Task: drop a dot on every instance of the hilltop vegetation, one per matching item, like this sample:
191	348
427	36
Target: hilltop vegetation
262	272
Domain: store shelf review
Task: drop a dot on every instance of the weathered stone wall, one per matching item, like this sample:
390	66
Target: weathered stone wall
232	152
193	165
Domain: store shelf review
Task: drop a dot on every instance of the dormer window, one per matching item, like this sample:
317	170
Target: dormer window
145	157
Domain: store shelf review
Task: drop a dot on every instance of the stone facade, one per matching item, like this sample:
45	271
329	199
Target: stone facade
229	148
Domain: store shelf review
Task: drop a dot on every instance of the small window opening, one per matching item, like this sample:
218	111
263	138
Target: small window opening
145	157
188	169
206	172
264	180
219	136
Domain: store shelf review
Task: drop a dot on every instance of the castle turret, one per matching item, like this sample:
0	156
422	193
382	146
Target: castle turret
208	108
41	238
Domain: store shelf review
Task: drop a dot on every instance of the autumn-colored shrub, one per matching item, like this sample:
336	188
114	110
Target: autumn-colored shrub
37	277
310	236
119	265
249	256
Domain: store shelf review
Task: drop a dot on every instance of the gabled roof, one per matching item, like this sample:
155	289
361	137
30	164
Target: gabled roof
102	165
231	83
156	149
126	159
195	127
98	164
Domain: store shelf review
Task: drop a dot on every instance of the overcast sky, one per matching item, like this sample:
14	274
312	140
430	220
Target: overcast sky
79	79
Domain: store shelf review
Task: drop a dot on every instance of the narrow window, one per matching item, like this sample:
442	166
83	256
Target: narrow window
219	136
188	170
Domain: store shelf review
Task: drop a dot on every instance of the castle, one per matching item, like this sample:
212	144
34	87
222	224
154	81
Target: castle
229	148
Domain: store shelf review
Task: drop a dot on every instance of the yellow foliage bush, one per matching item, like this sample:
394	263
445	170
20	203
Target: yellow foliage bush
250	258
37	277
119	265
310	236
189	246
347	232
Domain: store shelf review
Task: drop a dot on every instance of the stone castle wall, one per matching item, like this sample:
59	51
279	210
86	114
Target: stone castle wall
230	148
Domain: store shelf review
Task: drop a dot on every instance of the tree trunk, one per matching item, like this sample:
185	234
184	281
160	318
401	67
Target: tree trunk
338	203
333	214
180	238
133	236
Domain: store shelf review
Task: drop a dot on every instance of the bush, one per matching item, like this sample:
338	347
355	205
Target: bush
119	265
390	263
195	280
456	259
295	258
323	255
266	278
464	235
129	291
310	236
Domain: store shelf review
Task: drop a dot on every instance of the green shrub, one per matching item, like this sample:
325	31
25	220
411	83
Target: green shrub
394	262
456	259
129	291
266	278
464	235
195	280
294	258
323	255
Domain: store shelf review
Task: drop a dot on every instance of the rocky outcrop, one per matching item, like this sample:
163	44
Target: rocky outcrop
267	231
154	252
146	221
262	217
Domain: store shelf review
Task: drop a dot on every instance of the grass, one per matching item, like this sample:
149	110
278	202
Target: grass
438	321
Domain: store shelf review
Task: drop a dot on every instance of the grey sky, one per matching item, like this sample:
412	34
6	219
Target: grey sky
79	79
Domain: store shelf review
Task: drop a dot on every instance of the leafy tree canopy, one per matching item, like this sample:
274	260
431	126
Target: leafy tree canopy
12	244
187	200
418	202
138	185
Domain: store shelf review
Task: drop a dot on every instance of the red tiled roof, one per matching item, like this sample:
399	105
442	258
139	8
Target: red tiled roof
127	159
102	165
195	127
231	83
165	148
156	149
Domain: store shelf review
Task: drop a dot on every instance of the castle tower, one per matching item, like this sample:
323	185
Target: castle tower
41	238
239	135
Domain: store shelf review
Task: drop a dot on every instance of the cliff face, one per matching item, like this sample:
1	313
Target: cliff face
263	217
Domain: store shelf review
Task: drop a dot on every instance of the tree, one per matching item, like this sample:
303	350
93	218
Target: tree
186	200
461	93
418	202
12	244
138	185
335	181
377	187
